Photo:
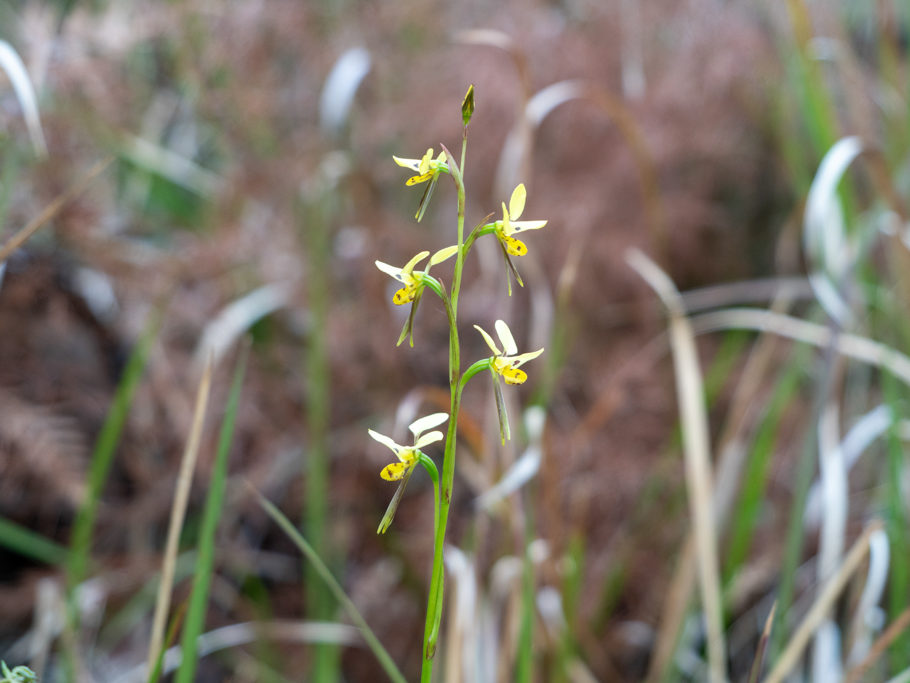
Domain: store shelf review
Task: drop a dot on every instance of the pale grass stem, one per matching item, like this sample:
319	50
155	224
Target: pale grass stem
827	597
694	419
178	514
52	209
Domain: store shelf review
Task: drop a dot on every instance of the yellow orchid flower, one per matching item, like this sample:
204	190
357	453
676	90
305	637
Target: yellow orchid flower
508	226
409	456
507	361
412	281
406	276
425	168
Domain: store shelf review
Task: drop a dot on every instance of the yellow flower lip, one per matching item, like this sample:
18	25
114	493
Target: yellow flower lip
507	361
408	456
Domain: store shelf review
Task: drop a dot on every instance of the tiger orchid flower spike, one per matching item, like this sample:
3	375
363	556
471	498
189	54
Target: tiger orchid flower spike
504	362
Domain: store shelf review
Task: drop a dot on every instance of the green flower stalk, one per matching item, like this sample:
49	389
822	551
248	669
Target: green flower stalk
504	363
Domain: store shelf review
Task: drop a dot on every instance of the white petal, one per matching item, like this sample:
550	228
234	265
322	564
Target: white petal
385	441
390	270
523	358
413	164
488	339
418	427
517	202
443	254
519	226
427	439
510	348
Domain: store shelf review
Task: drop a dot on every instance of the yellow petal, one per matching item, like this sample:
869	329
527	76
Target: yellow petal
404	295
417	179
488	339
514	375
394	471
443	254
515	247
517	202
417	258
425	162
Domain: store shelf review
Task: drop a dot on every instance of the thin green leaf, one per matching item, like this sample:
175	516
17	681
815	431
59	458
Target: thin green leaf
385	660
195	618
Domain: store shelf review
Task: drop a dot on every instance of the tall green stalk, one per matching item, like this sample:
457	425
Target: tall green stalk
437	578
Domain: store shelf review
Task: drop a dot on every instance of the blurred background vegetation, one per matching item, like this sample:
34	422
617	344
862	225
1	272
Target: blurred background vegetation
756	152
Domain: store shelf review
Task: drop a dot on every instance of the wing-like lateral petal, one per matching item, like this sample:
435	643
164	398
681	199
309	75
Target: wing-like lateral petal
521	226
489	340
390	270
385	441
523	358
413	164
443	254
409	266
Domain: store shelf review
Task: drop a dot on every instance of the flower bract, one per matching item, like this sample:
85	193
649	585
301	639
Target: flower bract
409	456
506	362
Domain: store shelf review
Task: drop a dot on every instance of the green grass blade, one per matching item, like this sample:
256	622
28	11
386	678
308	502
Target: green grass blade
899	579
30	544
524	666
755	478
195	617
385	660
103	454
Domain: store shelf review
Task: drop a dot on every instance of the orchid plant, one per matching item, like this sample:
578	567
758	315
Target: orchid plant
504	363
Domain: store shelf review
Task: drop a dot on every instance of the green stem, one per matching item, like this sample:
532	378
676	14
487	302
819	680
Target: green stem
444	497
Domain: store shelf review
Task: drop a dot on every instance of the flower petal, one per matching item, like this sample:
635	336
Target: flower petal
425	162
523	358
514	375
427	439
489	340
386	441
409	266
395	471
417	179
390	270
517	202
510	348
405	295
443	254
421	425
520	226
515	247
413	164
